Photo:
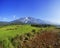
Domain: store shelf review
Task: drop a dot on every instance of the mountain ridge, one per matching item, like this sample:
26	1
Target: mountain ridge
27	20
30	20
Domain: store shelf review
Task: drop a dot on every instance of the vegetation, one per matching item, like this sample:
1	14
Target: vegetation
29	36
42	25
7	33
44	40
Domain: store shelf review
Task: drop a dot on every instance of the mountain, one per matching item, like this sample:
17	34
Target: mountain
26	20
29	20
3	23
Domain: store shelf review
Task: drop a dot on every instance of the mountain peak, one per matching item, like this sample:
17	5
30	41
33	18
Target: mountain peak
26	19
30	20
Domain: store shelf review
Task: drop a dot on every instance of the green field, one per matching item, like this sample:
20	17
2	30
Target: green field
7	33
13	30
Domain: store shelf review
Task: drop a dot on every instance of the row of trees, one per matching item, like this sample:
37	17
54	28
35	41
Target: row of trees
41	25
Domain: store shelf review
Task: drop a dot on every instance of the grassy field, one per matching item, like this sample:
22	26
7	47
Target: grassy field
9	34
13	30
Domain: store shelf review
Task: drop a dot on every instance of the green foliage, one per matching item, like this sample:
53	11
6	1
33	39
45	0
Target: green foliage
11	31
12	36
7	44
42	25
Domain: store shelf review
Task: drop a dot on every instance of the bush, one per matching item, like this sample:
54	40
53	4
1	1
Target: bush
33	30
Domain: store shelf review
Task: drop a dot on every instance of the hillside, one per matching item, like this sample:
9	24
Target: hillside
26	20
9	32
14	30
21	36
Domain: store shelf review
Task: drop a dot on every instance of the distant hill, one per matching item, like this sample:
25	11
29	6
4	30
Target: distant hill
30	20
26	20
3	23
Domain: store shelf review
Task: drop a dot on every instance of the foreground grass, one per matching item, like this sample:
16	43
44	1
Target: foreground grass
8	33
13	30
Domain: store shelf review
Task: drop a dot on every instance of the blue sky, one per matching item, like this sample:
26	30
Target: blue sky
48	10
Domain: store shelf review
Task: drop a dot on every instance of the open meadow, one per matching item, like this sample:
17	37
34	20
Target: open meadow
24	36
